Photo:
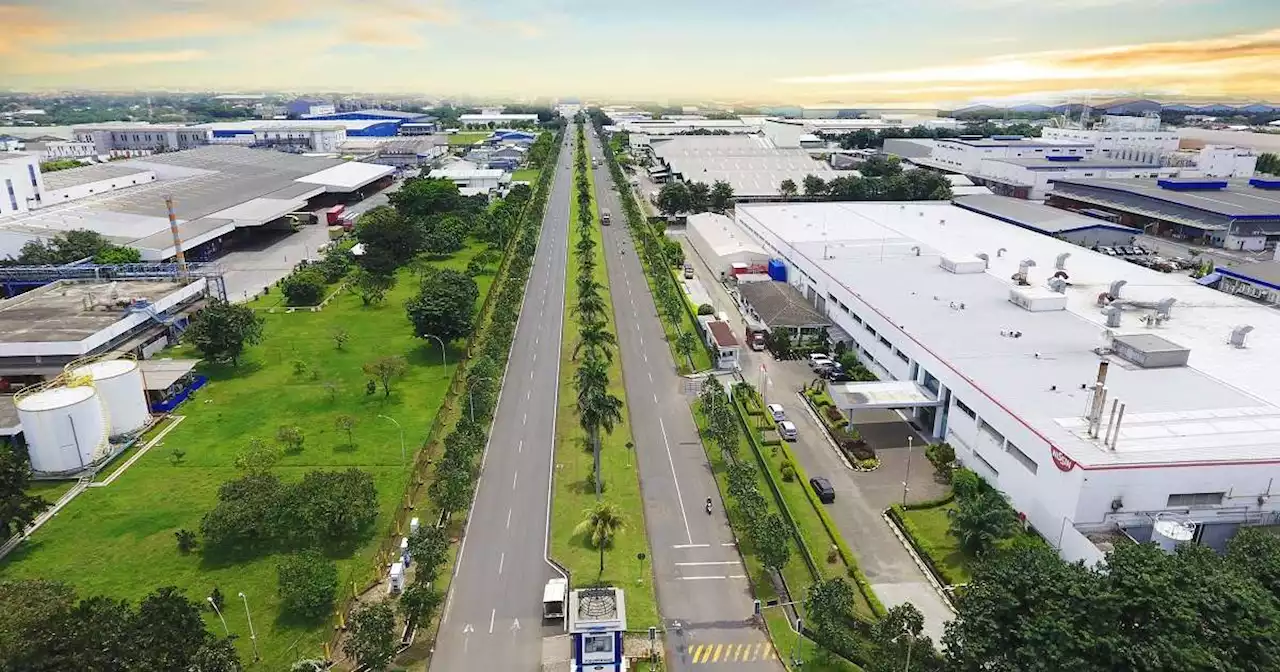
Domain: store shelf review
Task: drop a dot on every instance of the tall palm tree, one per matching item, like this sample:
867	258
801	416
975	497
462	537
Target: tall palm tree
597	408
601	523
588	285
595	338
590	307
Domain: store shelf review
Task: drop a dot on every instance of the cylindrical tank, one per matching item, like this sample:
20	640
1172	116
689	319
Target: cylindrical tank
64	427
120	387
1170	534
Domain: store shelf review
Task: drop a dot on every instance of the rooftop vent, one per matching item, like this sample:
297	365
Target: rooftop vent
962	266
1191	184
986	259
1037	299
1239	333
1058	284
1113	314
1150	351
1061	262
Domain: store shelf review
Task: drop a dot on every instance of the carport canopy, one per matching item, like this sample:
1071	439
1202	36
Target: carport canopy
880	395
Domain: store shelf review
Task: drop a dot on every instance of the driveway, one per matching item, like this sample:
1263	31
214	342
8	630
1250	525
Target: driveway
860	497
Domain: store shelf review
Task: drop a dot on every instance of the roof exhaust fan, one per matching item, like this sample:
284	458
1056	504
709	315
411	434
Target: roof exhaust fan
986	259
1061	262
1239	333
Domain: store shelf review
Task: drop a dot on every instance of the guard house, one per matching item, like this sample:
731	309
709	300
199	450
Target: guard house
597	619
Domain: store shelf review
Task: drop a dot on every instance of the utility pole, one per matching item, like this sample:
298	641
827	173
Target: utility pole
253	636
907	479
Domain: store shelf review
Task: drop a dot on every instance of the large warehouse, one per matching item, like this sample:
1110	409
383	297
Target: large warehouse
1233	214
749	163
1095	393
1069	226
215	190
724	247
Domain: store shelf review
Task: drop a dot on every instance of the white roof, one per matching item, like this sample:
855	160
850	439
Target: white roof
466	173
1222	406
751	164
723	235
348	176
290	124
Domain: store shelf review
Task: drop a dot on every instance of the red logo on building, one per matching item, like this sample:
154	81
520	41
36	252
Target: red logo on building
1060	458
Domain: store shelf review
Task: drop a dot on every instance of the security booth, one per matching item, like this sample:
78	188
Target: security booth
597	619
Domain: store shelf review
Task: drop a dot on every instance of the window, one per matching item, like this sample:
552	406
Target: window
991	431
871	331
1021	457
901	355
597	643
1197	499
855	317
13	198
965	409
31	170
885	342
986	464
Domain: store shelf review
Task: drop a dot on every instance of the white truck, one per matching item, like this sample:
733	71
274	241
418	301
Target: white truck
554	595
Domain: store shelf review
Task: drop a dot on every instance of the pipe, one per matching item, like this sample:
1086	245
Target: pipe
1111	423
1116	438
177	239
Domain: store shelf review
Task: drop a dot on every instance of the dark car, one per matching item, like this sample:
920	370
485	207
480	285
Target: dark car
822	487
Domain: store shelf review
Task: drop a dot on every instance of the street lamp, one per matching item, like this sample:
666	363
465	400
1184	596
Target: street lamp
253	636
397	424
907	479
910	642
218	611
471	402
795	660
443	359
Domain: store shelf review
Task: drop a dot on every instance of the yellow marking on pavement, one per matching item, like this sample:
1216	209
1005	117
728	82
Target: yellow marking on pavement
703	654
715	657
695	651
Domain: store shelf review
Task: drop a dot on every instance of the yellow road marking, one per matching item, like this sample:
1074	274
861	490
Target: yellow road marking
715	657
695	651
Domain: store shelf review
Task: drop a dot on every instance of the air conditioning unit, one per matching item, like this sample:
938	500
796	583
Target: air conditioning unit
1037	299
962	266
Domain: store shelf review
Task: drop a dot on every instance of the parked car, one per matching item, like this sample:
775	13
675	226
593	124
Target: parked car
819	359
822	488
787	430
831	371
776	412
688	271
1109	251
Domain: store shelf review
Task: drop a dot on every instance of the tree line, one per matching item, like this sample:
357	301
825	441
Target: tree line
1268	163
888	183
70	246
865	138
679	197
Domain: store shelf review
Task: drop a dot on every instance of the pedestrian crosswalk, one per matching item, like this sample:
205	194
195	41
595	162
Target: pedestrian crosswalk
731	653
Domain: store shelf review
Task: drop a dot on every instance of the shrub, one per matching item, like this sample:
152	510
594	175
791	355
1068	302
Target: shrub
788	471
834	414
942	456
307	584
706	309
303	287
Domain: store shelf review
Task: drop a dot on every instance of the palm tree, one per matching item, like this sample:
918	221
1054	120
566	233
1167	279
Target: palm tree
979	522
590	307
601	523
595	338
597	407
588	285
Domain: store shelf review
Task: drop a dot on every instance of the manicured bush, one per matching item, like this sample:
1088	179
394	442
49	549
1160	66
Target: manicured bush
834	414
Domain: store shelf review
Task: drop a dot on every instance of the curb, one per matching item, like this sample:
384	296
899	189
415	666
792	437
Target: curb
915	557
825	434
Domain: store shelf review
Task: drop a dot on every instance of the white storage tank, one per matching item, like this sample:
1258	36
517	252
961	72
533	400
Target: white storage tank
65	428
1170	534
120	387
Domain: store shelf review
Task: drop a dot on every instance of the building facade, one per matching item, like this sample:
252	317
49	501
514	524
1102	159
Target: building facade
21	184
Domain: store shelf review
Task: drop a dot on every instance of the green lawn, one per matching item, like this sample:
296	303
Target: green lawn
119	540
467	137
930	530
573	460
50	490
529	175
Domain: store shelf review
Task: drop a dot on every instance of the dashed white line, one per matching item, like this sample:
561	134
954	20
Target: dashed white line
650	376
655	397
525	419
514	477
520	446
527	394
502	559
492	615
697	578
508	519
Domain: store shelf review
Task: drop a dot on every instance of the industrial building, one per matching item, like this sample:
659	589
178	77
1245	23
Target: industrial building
965	155
726	249
374	115
304	107
496	119
1099	396
789	132
470	179
1118	132
215	191
23	182
1032	178
131	139
1232	214
1085	231
749	163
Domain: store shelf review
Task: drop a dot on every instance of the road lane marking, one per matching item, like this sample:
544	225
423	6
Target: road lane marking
531	372
731	543
520	446
646	360
502	559
695	652
508	519
514	477
525	419
492	615
692	546
655	397
701	578
737	576
700	564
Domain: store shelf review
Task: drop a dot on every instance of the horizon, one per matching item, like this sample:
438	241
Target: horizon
914	53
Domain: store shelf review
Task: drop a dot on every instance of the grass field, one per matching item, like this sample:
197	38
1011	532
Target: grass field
529	175
573	493
119	540
50	490
468	137
931	529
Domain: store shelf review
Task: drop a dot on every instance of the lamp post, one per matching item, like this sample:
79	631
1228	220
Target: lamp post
218	611
795	660
471	402
253	636
444	360
910	642
907	479
397	424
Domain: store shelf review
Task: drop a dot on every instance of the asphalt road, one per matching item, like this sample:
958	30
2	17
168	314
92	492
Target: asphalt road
703	593
493	616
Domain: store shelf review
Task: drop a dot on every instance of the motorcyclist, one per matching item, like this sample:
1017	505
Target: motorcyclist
708	505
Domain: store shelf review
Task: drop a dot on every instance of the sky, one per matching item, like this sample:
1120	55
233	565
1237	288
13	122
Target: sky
805	52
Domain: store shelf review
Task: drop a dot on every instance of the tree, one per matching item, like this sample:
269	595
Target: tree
221	330
1255	553
336	263
1268	163
446	236
386	369
445	305
329	509
116	254
829	606
292	437
346	423
303	287
601	524
99	633
429	548
771	539
215	655
421	199
943	458
722	195
390	239
245	516
598	409
779	343
593	336
699	196
372	642
307	583
371	287
63	248
169	630
186	540
340	337
881	166
257	457
686	345
452	489
979	522
30	607
17	508
787	188
674	198
814	186
419	601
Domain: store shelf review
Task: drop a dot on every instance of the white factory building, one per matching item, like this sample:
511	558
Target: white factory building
1117	132
496	119
1097	394
1033	177
965	155
725	247
751	164
22	181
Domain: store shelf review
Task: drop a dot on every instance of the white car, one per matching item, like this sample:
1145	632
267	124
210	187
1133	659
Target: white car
787	430
818	360
775	410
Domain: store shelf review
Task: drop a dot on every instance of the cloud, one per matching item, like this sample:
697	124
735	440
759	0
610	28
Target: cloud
1232	65
57	63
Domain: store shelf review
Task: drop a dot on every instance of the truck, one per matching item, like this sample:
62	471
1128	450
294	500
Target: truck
754	336
605	217
332	215
554	595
